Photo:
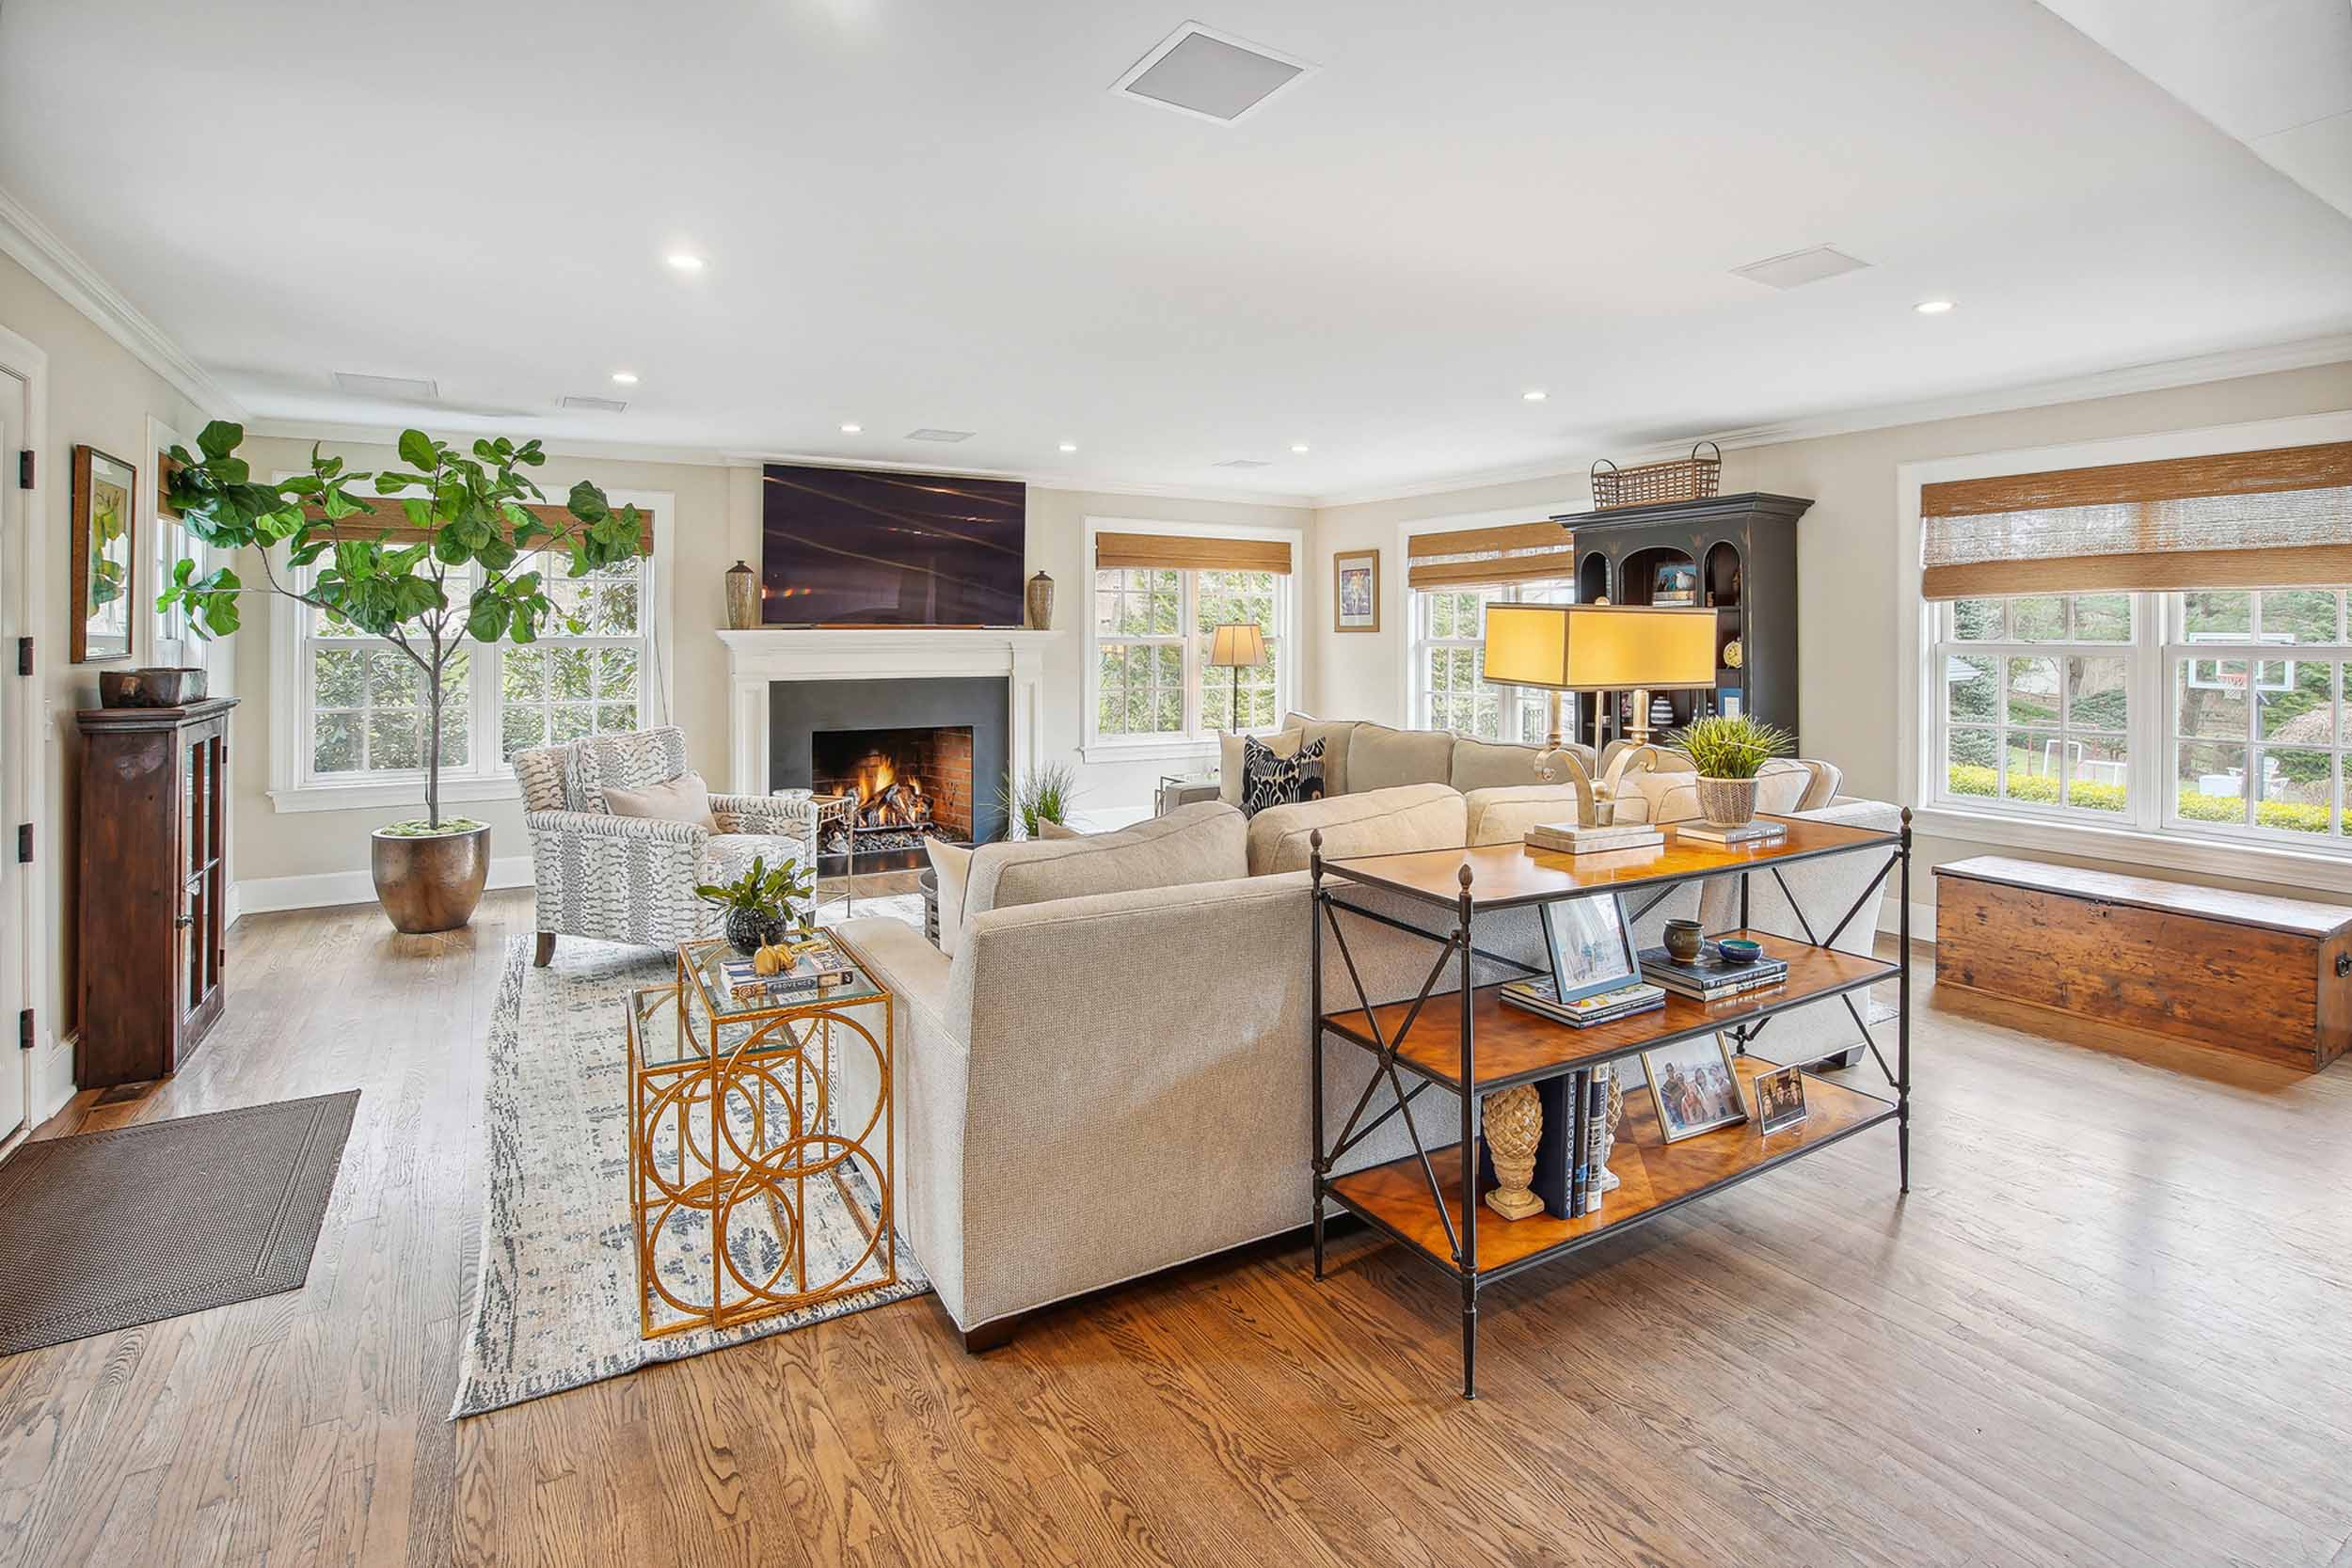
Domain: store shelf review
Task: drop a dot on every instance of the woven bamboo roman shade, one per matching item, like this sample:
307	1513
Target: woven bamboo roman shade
1186	553
386	523
1490	557
2245	519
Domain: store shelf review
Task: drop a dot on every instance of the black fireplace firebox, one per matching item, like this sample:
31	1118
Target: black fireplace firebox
922	758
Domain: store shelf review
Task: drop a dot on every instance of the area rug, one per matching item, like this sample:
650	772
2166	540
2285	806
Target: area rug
556	1303
106	1230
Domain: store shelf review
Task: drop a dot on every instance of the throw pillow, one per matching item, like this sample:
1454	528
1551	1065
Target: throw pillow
684	799
952	865
1269	780
1232	755
1048	828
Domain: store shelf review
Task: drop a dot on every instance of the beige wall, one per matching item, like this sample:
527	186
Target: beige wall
98	395
716	522
1848	575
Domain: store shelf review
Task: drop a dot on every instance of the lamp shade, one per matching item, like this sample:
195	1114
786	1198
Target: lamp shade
1591	647
1237	645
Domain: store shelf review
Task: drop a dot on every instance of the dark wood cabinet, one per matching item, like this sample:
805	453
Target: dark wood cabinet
154	804
1737	553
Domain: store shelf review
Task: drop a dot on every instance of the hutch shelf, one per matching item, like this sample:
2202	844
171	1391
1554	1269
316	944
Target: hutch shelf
1472	1043
1736	553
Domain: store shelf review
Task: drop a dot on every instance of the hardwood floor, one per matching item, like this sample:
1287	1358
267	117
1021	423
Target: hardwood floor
2107	1328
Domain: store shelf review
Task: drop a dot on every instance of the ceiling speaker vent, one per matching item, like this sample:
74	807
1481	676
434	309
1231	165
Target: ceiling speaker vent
928	434
388	389
1241	463
596	405
1199	71
1799	268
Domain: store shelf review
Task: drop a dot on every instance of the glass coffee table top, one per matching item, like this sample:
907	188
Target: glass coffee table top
661	1041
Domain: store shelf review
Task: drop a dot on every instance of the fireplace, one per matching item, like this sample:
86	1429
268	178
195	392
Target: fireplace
910	784
923	757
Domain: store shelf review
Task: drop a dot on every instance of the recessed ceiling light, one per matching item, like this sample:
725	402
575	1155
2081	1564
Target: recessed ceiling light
1933	306
685	261
1534	395
627	378
1298	446
1069	446
851	429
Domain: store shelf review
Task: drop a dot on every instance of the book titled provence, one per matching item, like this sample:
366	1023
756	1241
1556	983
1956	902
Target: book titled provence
809	971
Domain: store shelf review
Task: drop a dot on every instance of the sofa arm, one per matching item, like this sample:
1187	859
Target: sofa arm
600	827
900	961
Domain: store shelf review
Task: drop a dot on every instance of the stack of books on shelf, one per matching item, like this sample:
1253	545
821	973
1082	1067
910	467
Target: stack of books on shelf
1711	977
1568	838
1569	1176
1538	996
809	972
1763	829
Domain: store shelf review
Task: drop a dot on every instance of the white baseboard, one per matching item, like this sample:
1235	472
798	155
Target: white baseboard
1922	919
327	889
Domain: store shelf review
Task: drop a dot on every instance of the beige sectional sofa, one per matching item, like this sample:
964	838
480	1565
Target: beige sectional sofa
1110	1075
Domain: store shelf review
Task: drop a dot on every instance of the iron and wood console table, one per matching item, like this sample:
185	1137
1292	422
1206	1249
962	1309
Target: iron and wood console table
1487	1046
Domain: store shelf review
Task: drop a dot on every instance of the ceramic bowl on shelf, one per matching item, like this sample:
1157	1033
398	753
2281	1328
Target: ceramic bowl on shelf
1739	950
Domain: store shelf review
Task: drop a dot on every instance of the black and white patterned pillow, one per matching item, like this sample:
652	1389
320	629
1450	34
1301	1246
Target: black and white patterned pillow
1267	780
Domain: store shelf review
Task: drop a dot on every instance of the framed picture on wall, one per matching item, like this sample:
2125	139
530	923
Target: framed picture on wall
103	488
1356	591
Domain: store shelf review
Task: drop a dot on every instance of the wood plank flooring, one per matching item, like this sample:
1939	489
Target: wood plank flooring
2107	1328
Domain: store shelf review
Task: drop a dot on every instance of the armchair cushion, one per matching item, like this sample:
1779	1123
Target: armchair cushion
684	799
623	762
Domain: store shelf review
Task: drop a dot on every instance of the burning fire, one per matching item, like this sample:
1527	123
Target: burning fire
886	800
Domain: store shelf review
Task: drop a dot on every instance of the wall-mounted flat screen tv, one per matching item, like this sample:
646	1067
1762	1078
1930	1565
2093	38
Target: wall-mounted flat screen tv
848	547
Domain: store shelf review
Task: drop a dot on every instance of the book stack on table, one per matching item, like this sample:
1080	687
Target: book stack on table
1569	838
1762	829
810	972
1711	977
1539	997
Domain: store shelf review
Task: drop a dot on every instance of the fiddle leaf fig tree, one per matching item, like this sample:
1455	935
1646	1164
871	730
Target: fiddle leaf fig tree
462	516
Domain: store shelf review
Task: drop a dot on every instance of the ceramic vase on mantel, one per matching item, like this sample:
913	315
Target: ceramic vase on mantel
743	598
1040	598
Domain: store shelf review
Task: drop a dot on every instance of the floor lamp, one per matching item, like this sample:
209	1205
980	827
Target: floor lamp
1589	647
1237	645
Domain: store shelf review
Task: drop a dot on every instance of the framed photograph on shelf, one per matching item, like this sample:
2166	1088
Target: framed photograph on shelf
103	487
1675	583
1356	591
1695	1087
1779	1100
1592	945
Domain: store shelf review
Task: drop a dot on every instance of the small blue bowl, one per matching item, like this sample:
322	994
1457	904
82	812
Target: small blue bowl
1739	950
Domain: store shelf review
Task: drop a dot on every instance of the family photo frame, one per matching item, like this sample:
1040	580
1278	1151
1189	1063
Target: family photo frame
1591	943
1694	1086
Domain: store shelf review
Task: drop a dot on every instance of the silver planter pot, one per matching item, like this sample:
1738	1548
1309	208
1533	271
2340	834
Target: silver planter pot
1727	803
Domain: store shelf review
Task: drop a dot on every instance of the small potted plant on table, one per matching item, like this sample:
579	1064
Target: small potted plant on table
1729	754
758	904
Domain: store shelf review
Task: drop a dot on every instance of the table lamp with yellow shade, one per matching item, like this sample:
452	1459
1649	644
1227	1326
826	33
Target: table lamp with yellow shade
1589	647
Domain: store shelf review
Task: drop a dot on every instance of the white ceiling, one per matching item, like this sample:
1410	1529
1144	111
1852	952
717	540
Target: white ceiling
937	215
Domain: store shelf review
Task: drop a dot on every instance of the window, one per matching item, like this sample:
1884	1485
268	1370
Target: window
1449	644
1152	627
363	715
2222	714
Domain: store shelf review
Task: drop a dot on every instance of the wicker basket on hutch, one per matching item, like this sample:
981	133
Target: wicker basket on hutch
1680	478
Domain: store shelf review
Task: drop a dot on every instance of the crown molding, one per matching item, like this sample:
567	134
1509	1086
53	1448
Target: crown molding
2153	376
345	433
37	247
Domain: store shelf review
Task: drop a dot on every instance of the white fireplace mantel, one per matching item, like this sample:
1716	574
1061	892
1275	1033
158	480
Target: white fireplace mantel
755	658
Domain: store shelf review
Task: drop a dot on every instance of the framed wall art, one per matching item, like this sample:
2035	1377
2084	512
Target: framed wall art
1356	591
103	488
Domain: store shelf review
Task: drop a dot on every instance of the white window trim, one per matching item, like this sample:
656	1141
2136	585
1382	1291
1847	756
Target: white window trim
2253	859
1400	607
1194	745
486	778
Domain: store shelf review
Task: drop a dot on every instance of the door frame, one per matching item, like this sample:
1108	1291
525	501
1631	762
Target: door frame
24	961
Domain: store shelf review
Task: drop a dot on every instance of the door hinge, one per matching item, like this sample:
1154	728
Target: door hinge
23	844
24	655
25	1030
25	469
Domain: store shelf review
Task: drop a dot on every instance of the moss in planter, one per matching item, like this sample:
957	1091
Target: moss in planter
420	828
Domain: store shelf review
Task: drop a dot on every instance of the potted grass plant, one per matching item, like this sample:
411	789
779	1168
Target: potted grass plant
1729	755
453	559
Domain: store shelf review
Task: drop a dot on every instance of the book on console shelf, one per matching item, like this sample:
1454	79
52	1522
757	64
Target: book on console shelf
1568	838
1760	830
810	972
1711	977
1539	997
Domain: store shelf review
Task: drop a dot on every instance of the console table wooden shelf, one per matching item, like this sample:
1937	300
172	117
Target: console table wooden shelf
1471	1042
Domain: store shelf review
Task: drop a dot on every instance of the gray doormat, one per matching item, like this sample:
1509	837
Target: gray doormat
106	1230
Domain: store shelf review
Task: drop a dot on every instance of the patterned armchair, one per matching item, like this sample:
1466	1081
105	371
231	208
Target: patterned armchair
632	878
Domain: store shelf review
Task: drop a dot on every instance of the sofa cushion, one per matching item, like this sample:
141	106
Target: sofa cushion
1048	828
1828	779
1503	765
1504	816
1334	733
1232	753
1379	758
951	866
1381	822
1200	842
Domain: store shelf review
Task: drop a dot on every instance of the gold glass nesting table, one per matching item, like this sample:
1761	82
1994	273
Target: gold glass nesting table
752	1190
